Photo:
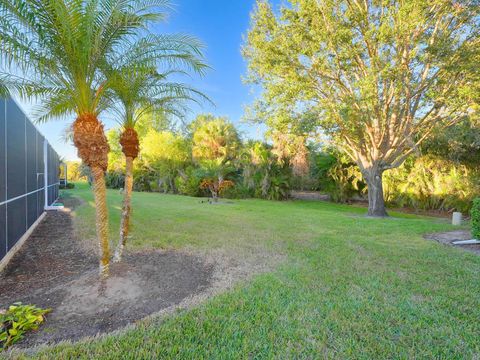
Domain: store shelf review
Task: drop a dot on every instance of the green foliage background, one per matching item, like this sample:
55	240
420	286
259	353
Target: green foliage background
476	218
443	175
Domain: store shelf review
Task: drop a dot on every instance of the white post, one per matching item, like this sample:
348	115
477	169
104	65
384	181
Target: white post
457	218
45	172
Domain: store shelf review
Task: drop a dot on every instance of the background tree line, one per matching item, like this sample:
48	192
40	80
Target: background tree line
442	175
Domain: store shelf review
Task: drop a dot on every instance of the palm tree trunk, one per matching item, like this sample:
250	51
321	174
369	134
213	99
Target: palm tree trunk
125	221
101	219
89	138
130	148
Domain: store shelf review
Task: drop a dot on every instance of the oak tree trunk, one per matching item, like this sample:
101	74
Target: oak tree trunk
376	202
125	220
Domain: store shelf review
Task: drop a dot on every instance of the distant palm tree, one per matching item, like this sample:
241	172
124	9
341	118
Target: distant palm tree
59	47
215	146
140	80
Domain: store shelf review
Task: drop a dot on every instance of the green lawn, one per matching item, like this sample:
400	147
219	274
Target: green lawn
350	287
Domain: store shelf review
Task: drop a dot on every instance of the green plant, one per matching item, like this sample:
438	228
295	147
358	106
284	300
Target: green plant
279	187
115	179
67	186
239	191
188	182
475	213
17	320
428	182
142	178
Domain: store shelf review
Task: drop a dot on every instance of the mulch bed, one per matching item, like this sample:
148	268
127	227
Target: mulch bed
449	237
53	270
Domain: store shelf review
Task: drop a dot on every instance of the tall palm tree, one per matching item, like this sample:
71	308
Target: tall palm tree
140	80
215	145
59	46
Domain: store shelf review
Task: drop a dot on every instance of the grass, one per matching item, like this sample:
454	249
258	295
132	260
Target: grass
350	287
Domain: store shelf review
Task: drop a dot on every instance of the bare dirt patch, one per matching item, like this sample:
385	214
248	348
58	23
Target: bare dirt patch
53	271
449	237
309	195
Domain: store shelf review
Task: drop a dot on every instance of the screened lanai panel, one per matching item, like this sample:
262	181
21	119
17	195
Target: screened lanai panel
31	164
23	182
40	203
32	208
16	155
40	171
51	174
53	169
17	221
39	153
3	231
3	153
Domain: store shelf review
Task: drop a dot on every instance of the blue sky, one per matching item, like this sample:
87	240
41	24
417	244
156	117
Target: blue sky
220	26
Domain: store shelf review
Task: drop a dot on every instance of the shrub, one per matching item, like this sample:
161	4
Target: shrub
68	186
239	191
188	183
115	179
428	182
279	187
475	213
17	320
143	178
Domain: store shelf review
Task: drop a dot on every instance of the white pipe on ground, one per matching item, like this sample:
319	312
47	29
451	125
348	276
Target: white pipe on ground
466	242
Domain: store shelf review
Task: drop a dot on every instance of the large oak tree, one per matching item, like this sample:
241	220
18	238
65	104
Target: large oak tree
375	76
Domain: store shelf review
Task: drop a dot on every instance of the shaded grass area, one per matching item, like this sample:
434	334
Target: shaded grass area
351	287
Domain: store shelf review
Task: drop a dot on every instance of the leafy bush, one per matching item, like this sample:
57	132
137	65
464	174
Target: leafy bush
115	179
143	179
188	182
475	213
239	191
339	177
68	186
17	320
426	182
279	187
429	182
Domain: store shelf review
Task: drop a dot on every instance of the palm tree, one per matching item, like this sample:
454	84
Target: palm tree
60	46
215	145
141	88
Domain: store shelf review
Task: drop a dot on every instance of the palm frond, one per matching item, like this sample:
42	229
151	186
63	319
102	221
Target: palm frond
61	46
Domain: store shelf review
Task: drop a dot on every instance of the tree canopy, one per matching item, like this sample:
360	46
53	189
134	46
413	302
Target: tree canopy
377	77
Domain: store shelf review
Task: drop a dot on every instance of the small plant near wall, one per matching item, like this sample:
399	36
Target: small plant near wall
18	320
475	213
